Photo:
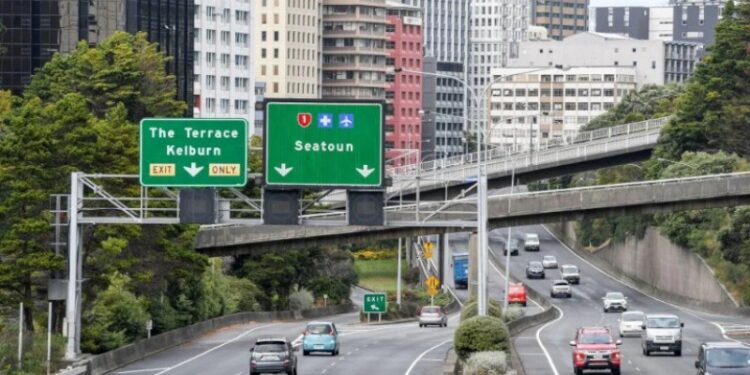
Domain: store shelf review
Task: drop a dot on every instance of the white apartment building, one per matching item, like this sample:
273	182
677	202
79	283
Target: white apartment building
288	47
446	24
223	59
535	105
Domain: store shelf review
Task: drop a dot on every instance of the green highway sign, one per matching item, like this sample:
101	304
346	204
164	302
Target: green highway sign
375	303
193	152
325	144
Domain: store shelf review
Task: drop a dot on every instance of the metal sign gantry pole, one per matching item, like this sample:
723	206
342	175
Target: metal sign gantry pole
71	303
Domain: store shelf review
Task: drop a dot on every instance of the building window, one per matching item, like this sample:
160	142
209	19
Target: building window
241	39
224	106
240	106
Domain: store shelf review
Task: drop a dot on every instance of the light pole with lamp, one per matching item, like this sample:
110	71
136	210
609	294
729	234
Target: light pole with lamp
481	183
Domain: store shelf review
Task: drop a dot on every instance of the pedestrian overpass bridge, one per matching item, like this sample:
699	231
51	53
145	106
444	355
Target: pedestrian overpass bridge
722	190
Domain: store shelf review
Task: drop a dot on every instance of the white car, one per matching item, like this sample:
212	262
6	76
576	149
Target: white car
561	288
615	301
531	242
549	261
631	322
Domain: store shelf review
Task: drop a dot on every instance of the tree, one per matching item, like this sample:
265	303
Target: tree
651	101
714	112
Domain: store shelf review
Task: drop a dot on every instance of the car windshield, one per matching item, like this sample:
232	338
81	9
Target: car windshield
665	322
532	237
561	283
632	317
319	329
270	348
535	265
569	269
430	310
549	258
596	338
615	296
728	357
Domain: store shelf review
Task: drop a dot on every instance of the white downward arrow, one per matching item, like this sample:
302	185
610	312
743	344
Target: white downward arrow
193	170
365	171
283	170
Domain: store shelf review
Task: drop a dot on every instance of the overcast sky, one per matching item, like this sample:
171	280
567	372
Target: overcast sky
620	3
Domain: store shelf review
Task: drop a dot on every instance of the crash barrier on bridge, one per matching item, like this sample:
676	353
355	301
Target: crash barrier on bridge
138	350
643	286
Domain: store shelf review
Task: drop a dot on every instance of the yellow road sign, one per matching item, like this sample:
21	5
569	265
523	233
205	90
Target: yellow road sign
428	246
432	291
432	282
427	253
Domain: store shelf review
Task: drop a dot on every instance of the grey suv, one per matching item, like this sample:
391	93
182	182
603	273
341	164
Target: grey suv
275	355
723	358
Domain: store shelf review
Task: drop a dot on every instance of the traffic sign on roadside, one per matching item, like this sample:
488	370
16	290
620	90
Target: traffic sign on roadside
324	144
432	282
427	250
193	152
375	303
432	292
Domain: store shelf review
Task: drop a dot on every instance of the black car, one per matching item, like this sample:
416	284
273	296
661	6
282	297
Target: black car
513	247
534	270
273	355
723	358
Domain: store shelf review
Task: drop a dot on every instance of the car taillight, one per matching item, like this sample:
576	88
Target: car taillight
616	356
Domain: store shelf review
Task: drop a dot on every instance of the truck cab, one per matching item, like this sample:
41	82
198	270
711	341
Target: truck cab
594	349
517	294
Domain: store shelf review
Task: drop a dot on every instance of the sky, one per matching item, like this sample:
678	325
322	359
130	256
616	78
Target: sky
614	3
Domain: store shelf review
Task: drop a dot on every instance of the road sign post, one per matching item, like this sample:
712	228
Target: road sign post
193	152
324	144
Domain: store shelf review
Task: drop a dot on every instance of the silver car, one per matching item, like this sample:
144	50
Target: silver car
615	301
561	288
433	315
549	261
631	322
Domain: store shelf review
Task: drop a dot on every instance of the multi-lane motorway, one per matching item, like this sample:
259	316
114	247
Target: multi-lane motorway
407	349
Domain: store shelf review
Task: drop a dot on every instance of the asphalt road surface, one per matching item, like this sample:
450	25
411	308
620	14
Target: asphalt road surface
585	309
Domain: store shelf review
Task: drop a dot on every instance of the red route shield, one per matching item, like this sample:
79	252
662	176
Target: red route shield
304	119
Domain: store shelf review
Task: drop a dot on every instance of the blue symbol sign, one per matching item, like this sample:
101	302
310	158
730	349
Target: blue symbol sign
346	121
325	120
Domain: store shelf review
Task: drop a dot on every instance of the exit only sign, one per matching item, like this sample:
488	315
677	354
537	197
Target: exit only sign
193	152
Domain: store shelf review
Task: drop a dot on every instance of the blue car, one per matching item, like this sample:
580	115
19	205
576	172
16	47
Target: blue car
320	337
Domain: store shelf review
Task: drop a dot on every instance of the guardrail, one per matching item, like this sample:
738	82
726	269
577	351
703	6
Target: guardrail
590	136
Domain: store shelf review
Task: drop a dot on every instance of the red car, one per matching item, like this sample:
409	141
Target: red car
517	294
596	350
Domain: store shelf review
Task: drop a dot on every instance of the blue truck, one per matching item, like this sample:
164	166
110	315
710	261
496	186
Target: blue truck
461	270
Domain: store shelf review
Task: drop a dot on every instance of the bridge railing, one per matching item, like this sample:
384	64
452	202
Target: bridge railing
498	153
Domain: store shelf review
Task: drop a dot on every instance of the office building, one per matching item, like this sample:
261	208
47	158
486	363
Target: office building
561	18
224	59
403	137
683	21
355	33
446	26
655	61
532	105
287	47
36	29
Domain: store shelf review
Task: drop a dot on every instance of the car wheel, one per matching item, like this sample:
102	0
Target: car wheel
421	325
524	304
606	310
578	371
621	335
678	353
552	295
646	352
570	295
305	353
615	371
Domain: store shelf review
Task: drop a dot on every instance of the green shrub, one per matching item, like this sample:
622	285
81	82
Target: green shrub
471	309
374	254
301	299
480	333
487	363
512	313
336	290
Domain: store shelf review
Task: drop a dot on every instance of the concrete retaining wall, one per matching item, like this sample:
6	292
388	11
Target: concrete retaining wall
658	267
120	357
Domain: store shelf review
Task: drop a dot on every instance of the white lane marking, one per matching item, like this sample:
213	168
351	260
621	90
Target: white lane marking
239	373
348	353
539	340
408	371
724	332
324	371
503	276
690	312
214	348
141	370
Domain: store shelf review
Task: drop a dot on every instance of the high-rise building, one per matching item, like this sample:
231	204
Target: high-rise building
224	59
355	38
36	29
446	42
533	106
446	25
287	47
496	28
404	92
561	18
684	21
